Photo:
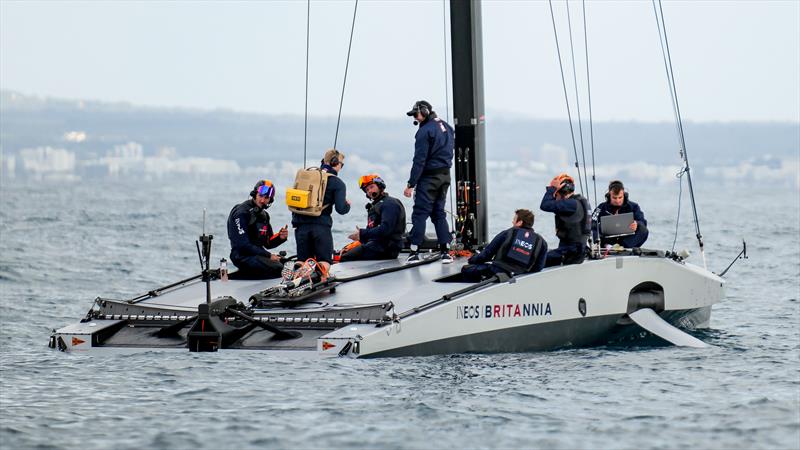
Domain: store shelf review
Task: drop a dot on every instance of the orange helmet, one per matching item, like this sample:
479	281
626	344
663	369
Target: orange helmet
565	183
366	180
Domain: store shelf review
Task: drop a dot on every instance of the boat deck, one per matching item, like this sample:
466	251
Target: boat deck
405	289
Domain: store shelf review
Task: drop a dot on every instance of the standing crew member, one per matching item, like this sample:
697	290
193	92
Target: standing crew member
516	250
313	233
386	224
430	177
573	221
250	231
617	202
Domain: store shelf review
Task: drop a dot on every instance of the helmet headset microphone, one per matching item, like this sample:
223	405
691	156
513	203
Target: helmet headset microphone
367	180
264	188
421	107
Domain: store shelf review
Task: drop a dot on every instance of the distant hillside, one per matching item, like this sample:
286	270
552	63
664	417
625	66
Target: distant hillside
27	121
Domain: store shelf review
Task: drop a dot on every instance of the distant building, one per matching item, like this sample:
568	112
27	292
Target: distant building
8	166
47	162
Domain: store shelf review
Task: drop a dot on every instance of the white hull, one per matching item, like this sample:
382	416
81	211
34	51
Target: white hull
578	305
497	319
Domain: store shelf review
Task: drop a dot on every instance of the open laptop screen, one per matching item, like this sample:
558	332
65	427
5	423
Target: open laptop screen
617	225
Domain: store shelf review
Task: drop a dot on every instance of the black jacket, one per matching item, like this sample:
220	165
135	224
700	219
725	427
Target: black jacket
573	217
607	209
249	231
433	149
386	223
521	249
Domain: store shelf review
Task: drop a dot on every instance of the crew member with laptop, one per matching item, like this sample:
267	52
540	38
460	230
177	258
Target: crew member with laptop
621	221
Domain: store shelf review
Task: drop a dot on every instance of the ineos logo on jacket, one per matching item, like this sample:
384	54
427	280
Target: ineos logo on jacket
239	226
524	244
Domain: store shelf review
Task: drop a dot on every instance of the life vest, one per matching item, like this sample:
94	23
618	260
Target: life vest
259	228
337	256
520	251
576	227
375	215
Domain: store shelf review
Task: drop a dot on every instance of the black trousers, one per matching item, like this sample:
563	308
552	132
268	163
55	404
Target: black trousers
257	268
314	241
565	254
369	251
430	197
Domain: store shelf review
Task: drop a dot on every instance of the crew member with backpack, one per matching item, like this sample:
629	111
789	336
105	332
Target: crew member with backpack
316	193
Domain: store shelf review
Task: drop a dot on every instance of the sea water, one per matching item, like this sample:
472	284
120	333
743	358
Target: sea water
63	244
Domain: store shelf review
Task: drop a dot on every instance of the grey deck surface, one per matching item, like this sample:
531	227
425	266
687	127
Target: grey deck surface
405	288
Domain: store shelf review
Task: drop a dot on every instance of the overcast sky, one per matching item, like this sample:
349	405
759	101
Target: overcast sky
733	60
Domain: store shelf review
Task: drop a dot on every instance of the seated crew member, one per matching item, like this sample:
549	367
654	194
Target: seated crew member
617	202
250	231
516	250
386	223
313	233
573	221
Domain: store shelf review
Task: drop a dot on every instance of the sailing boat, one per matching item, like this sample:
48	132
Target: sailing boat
392	308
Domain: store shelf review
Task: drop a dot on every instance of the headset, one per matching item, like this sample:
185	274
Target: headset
613	186
335	160
422	108
567	184
566	187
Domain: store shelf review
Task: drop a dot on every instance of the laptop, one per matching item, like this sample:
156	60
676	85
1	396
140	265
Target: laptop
616	225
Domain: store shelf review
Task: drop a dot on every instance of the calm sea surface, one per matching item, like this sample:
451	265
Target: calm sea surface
63	244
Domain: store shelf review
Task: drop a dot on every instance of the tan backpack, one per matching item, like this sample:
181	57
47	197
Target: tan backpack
308	193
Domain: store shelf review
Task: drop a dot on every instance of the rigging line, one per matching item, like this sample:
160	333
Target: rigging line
589	97
566	98
577	98
305	121
344	81
679	175
669	80
671	77
447	98
444	45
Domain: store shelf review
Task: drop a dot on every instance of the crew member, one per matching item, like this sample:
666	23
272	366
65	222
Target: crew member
430	177
386	224
573	221
313	233
516	250
617	202
250	231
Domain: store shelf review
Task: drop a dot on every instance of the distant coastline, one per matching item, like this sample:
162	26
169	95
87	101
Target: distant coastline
43	138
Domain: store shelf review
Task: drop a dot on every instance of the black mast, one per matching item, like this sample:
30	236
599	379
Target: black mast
469	123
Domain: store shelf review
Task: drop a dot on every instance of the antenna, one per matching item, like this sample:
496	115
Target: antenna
205	257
